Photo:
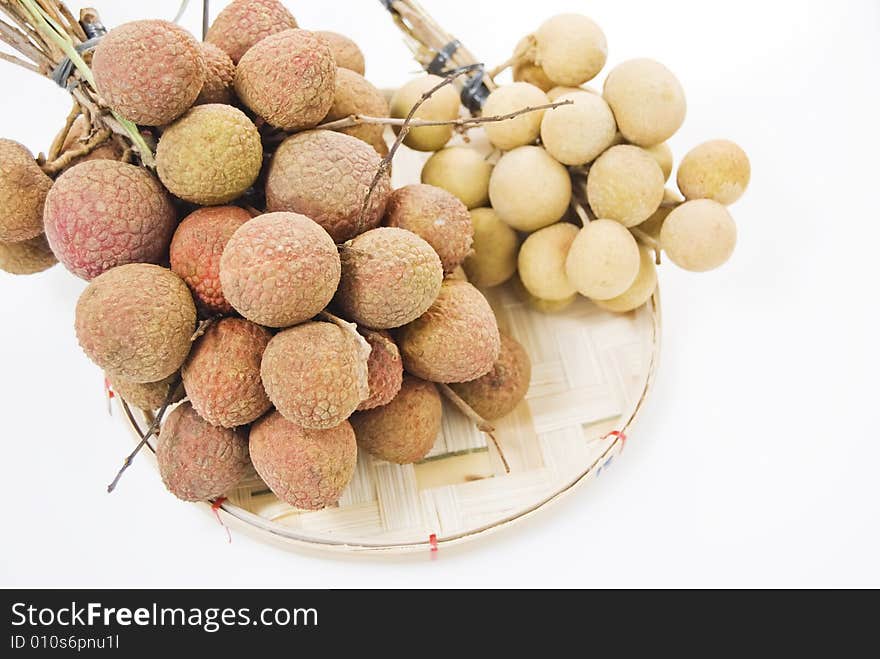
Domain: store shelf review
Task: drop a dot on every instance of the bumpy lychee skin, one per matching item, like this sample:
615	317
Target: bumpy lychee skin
326	176
307	469
196	249
355	95
222	373
101	214
390	277
437	216
316	374
136	322
456	340
27	257
497	393
23	189
149	71
345	51
404	430
279	269
244	23
211	155
288	79
198	461
385	369
219	77
147	395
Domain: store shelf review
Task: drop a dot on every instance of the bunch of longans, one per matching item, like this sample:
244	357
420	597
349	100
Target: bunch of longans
332	314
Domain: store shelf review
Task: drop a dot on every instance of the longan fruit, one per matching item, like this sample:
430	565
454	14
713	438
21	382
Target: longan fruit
647	100
641	289
571	49
461	171
493	259
525	70
521	130
653	224
542	259
625	184
561	90
536	303
663	155
444	105
603	260
717	170
579	133
529	189
699	235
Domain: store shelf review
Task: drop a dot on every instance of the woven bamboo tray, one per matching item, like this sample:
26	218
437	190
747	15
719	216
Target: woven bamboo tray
591	373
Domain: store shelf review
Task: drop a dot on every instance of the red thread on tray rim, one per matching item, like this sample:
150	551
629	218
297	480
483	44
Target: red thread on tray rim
620	435
215	508
434	546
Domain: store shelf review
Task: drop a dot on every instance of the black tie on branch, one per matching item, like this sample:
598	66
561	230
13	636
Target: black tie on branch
473	92
62	72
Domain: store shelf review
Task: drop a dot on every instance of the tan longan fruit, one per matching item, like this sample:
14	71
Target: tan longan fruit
542	262
663	155
579	133
444	105
556	92
536	303
461	171
647	100
641	289
571	49
625	184
493	259
653	224
717	170
521	130
529	189
525	70
603	260
699	235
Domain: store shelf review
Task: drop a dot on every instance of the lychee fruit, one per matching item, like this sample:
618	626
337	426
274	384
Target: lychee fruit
443	105
198	461
196	249
326	176
279	269
316	373
437	216
149	71
405	430
456	340
136	322
497	393
222	373
355	95
345	51
288	79
23	189
390	277
211	155
384	369
147	395
243	23
219	77
306	468
27	257
102	213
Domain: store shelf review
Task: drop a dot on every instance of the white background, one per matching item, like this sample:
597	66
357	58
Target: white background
756	461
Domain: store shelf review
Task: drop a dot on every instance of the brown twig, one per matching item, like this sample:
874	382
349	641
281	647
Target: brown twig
145	435
58	142
53	167
481	423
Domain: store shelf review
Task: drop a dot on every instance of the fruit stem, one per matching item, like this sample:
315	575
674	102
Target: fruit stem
54	166
481	423
145	436
649	242
522	53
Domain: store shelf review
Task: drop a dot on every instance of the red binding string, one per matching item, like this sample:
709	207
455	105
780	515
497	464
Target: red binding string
215	508
434	546
620	435
108	391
